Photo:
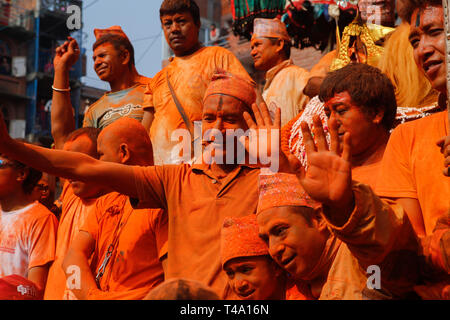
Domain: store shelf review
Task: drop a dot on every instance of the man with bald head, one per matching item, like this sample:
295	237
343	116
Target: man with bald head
126	245
197	198
76	199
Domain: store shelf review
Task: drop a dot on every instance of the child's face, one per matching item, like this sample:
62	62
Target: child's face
254	278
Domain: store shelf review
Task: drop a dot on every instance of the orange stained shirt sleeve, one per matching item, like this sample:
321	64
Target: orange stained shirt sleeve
378	232
42	237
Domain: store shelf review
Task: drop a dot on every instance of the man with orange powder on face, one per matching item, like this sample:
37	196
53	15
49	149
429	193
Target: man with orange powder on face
114	63
271	51
127	245
188	74
196	197
76	198
252	274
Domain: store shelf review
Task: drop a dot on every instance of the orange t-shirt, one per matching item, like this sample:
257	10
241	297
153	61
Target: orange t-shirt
115	105
74	212
412	167
367	174
27	239
135	265
197	202
189	76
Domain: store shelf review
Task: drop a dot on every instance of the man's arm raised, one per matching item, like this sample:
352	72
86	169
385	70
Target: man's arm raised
69	165
62	115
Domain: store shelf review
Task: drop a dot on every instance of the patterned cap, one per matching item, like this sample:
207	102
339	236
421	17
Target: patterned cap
111	30
225	83
282	189
270	28
239	238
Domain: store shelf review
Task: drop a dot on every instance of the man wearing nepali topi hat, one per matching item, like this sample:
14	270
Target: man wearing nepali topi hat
271	51
114	63
252	274
197	197
333	261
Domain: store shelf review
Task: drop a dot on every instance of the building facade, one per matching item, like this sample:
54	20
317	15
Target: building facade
30	31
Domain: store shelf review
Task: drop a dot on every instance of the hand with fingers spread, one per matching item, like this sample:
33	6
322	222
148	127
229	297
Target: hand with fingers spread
264	144
328	177
66	55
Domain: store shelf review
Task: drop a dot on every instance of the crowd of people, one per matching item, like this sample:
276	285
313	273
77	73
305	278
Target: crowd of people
332	183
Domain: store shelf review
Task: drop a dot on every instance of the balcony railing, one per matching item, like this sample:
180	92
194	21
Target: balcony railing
14	16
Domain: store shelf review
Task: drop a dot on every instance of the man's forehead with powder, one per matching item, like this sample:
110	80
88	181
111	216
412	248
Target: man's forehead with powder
424	18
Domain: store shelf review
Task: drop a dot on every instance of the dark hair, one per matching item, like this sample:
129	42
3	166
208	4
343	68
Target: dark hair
367	86
178	6
286	47
90	132
410	5
33	175
119	43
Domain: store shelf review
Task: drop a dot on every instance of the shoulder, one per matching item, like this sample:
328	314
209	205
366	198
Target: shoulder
294	71
39	212
96	103
419	126
216	52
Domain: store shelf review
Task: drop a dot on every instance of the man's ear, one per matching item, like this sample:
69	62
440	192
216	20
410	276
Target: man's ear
378	118
124	153
279	45
126	57
22	174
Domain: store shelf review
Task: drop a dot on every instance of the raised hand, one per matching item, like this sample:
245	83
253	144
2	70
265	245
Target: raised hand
264	144
66	54
328	177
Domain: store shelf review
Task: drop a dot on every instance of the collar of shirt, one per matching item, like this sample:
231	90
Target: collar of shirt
204	168
270	75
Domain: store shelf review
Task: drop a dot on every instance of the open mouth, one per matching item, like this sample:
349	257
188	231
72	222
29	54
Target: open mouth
100	70
430	67
246	294
285	263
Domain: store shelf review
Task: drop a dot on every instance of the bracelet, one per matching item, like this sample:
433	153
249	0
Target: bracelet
61	90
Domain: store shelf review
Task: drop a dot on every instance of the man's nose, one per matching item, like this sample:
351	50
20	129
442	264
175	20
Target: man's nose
175	27
242	284
219	124
424	50
276	249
